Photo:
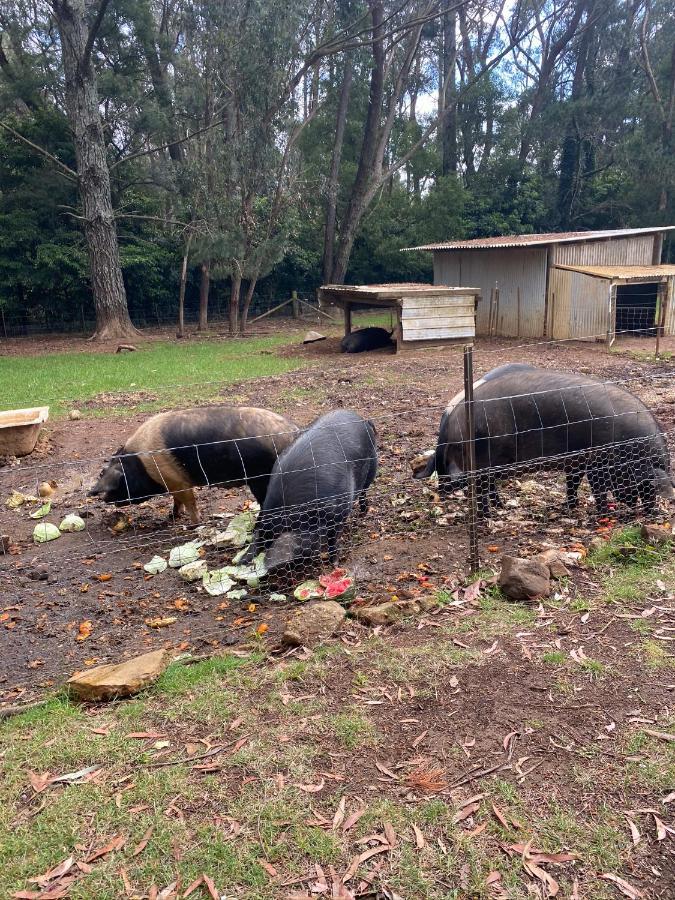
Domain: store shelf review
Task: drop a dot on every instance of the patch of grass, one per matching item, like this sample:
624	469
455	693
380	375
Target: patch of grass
353	730
554	658
421	663
166	370
656	656
632	567
180	678
594	667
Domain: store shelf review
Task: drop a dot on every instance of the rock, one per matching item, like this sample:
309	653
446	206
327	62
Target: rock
553	560
74	415
312	337
392	611
47	488
656	534
524	579
312	624
39	573
122	680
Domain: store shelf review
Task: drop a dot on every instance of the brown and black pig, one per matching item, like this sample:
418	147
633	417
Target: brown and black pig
174	452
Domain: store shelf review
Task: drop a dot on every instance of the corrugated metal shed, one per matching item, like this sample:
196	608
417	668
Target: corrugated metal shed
578	305
520	275
623	273
531	240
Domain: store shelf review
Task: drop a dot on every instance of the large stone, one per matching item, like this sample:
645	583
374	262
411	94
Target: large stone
312	624
312	337
553	560
524	579
656	534
122	680
392	611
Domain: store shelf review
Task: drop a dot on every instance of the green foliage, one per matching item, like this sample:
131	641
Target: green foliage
250	184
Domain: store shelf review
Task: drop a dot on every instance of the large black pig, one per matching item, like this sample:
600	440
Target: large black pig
543	419
314	486
366	339
174	452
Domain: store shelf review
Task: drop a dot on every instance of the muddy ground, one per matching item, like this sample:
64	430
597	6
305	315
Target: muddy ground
96	576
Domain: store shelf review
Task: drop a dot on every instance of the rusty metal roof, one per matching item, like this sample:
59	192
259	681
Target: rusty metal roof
534	240
624	273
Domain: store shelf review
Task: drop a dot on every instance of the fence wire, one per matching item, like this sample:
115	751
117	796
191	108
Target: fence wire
592	450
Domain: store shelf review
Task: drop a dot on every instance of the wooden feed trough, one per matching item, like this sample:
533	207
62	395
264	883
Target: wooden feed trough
19	429
427	315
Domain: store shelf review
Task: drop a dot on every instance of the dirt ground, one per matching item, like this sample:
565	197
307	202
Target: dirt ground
508	710
49	589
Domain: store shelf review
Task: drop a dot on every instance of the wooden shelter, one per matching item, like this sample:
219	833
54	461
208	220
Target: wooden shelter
426	314
584	285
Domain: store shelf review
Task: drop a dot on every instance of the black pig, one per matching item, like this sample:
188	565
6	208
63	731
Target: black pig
366	339
176	451
555	420
313	488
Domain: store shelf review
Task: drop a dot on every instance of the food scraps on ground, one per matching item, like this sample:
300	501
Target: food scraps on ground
184	553
45	531
156	565
72	522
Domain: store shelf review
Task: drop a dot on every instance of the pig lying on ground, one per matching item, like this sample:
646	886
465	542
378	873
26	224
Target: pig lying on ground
366	339
313	488
542	419
174	452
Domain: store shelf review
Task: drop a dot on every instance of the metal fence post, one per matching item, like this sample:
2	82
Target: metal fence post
474	560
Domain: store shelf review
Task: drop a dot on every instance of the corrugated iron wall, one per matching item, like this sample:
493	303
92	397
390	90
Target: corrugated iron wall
578	305
669	325
628	251
515	270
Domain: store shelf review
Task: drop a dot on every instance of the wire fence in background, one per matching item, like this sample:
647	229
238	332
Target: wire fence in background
556	454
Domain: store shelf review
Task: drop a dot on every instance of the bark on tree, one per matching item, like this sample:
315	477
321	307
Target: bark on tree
110	301
204	285
449	129
570	158
248	297
334	175
235	291
181	290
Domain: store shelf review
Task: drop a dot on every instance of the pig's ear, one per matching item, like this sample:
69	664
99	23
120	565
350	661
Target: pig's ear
282	552
423	465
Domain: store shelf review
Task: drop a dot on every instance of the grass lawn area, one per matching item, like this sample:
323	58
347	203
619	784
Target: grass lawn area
166	370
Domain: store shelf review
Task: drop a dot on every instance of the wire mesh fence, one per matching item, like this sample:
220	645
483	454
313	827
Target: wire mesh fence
574	451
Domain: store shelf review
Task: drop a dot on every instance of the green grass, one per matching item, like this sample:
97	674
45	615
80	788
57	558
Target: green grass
632	567
554	658
182	374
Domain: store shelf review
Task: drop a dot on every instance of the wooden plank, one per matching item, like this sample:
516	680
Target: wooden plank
438	322
431	333
433	344
464	299
426	312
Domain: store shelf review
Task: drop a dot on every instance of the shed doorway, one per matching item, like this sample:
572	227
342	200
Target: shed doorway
636	308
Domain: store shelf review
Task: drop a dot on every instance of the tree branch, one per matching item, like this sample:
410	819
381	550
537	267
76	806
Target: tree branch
188	137
93	32
63	168
648	65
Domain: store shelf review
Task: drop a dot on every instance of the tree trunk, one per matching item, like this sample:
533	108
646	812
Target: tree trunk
235	291
570	156
247	303
181	291
204	285
110	301
368	155
449	127
334	176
